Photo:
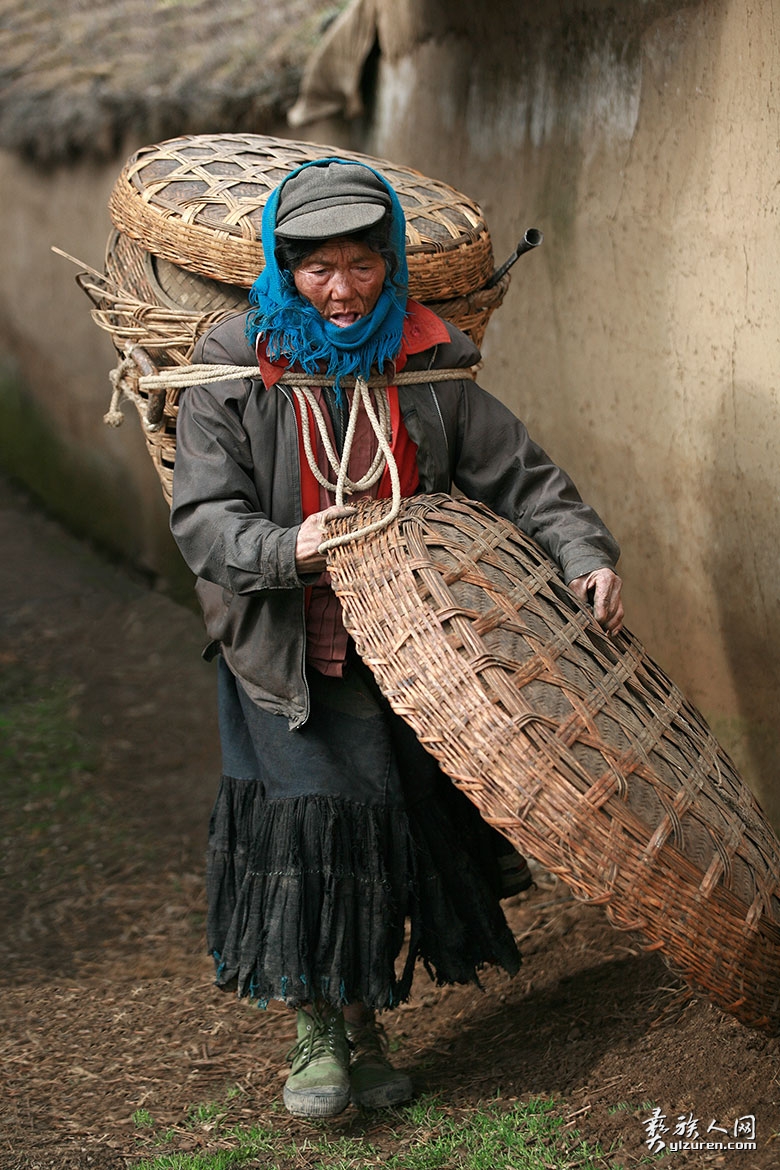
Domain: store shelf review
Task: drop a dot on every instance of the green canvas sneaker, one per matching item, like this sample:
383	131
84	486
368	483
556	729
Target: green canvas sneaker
318	1084
375	1083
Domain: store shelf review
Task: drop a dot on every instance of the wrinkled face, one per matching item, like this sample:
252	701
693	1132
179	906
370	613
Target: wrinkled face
342	278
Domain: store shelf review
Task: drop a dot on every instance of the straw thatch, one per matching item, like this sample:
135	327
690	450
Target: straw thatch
77	78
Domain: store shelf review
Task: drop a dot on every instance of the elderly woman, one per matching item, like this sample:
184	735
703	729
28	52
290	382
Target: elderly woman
333	828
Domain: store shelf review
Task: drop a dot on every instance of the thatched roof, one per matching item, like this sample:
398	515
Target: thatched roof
78	76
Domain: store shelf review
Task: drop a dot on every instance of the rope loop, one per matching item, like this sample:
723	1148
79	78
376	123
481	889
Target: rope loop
379	419
129	383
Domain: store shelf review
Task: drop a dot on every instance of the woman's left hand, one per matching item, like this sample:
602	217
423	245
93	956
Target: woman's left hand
605	586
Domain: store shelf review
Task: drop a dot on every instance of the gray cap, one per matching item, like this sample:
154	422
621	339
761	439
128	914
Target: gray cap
335	199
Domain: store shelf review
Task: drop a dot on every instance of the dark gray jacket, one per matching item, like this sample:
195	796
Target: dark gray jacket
237	500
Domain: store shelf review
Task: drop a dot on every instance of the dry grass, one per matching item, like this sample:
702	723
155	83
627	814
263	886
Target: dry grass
78	78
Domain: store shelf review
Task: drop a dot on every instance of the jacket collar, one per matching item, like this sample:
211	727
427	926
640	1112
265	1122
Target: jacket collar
422	330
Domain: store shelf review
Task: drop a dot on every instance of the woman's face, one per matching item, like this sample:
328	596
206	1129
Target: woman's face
343	279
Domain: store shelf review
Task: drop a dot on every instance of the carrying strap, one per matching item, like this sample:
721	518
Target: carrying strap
136	380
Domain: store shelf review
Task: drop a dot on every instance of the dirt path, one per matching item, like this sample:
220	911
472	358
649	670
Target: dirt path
108	1006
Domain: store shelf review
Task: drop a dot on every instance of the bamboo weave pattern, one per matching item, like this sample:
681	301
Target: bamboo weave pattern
186	247
576	746
198	201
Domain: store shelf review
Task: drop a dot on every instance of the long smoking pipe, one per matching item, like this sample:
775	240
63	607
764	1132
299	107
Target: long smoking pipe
532	239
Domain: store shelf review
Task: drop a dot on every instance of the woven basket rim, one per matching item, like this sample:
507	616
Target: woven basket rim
457	261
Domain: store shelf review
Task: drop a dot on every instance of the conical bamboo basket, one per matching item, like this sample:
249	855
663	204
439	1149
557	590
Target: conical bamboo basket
575	745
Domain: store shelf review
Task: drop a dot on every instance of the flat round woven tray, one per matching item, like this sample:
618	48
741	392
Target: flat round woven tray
575	745
198	201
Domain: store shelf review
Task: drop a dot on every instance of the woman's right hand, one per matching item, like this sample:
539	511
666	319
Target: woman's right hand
308	558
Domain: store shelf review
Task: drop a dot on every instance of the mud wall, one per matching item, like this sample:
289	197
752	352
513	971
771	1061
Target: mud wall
54	365
640	343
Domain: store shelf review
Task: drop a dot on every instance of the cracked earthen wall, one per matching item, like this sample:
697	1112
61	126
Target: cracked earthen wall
641	343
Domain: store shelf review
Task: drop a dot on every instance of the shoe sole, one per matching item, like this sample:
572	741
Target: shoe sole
315	1103
384	1095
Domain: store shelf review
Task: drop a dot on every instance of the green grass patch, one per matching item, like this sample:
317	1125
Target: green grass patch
425	1135
45	763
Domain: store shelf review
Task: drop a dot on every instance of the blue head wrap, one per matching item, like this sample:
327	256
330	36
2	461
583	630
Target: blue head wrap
294	329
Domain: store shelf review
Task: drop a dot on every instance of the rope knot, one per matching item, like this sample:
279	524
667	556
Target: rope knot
124	383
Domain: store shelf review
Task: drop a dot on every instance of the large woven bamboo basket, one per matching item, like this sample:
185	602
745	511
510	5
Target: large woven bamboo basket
186	247
575	745
198	201
151	310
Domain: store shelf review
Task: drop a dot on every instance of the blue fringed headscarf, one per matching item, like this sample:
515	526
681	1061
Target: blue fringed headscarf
294	329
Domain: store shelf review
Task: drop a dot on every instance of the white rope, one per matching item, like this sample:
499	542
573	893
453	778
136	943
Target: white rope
122	379
128	385
380	424
201	375
307	399
392	467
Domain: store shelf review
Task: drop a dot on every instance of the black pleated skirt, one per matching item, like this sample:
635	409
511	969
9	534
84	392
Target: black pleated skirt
340	855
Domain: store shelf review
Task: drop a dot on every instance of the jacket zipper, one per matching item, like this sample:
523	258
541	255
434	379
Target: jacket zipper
435	398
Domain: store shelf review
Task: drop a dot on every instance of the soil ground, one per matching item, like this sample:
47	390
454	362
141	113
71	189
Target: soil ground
109	1007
